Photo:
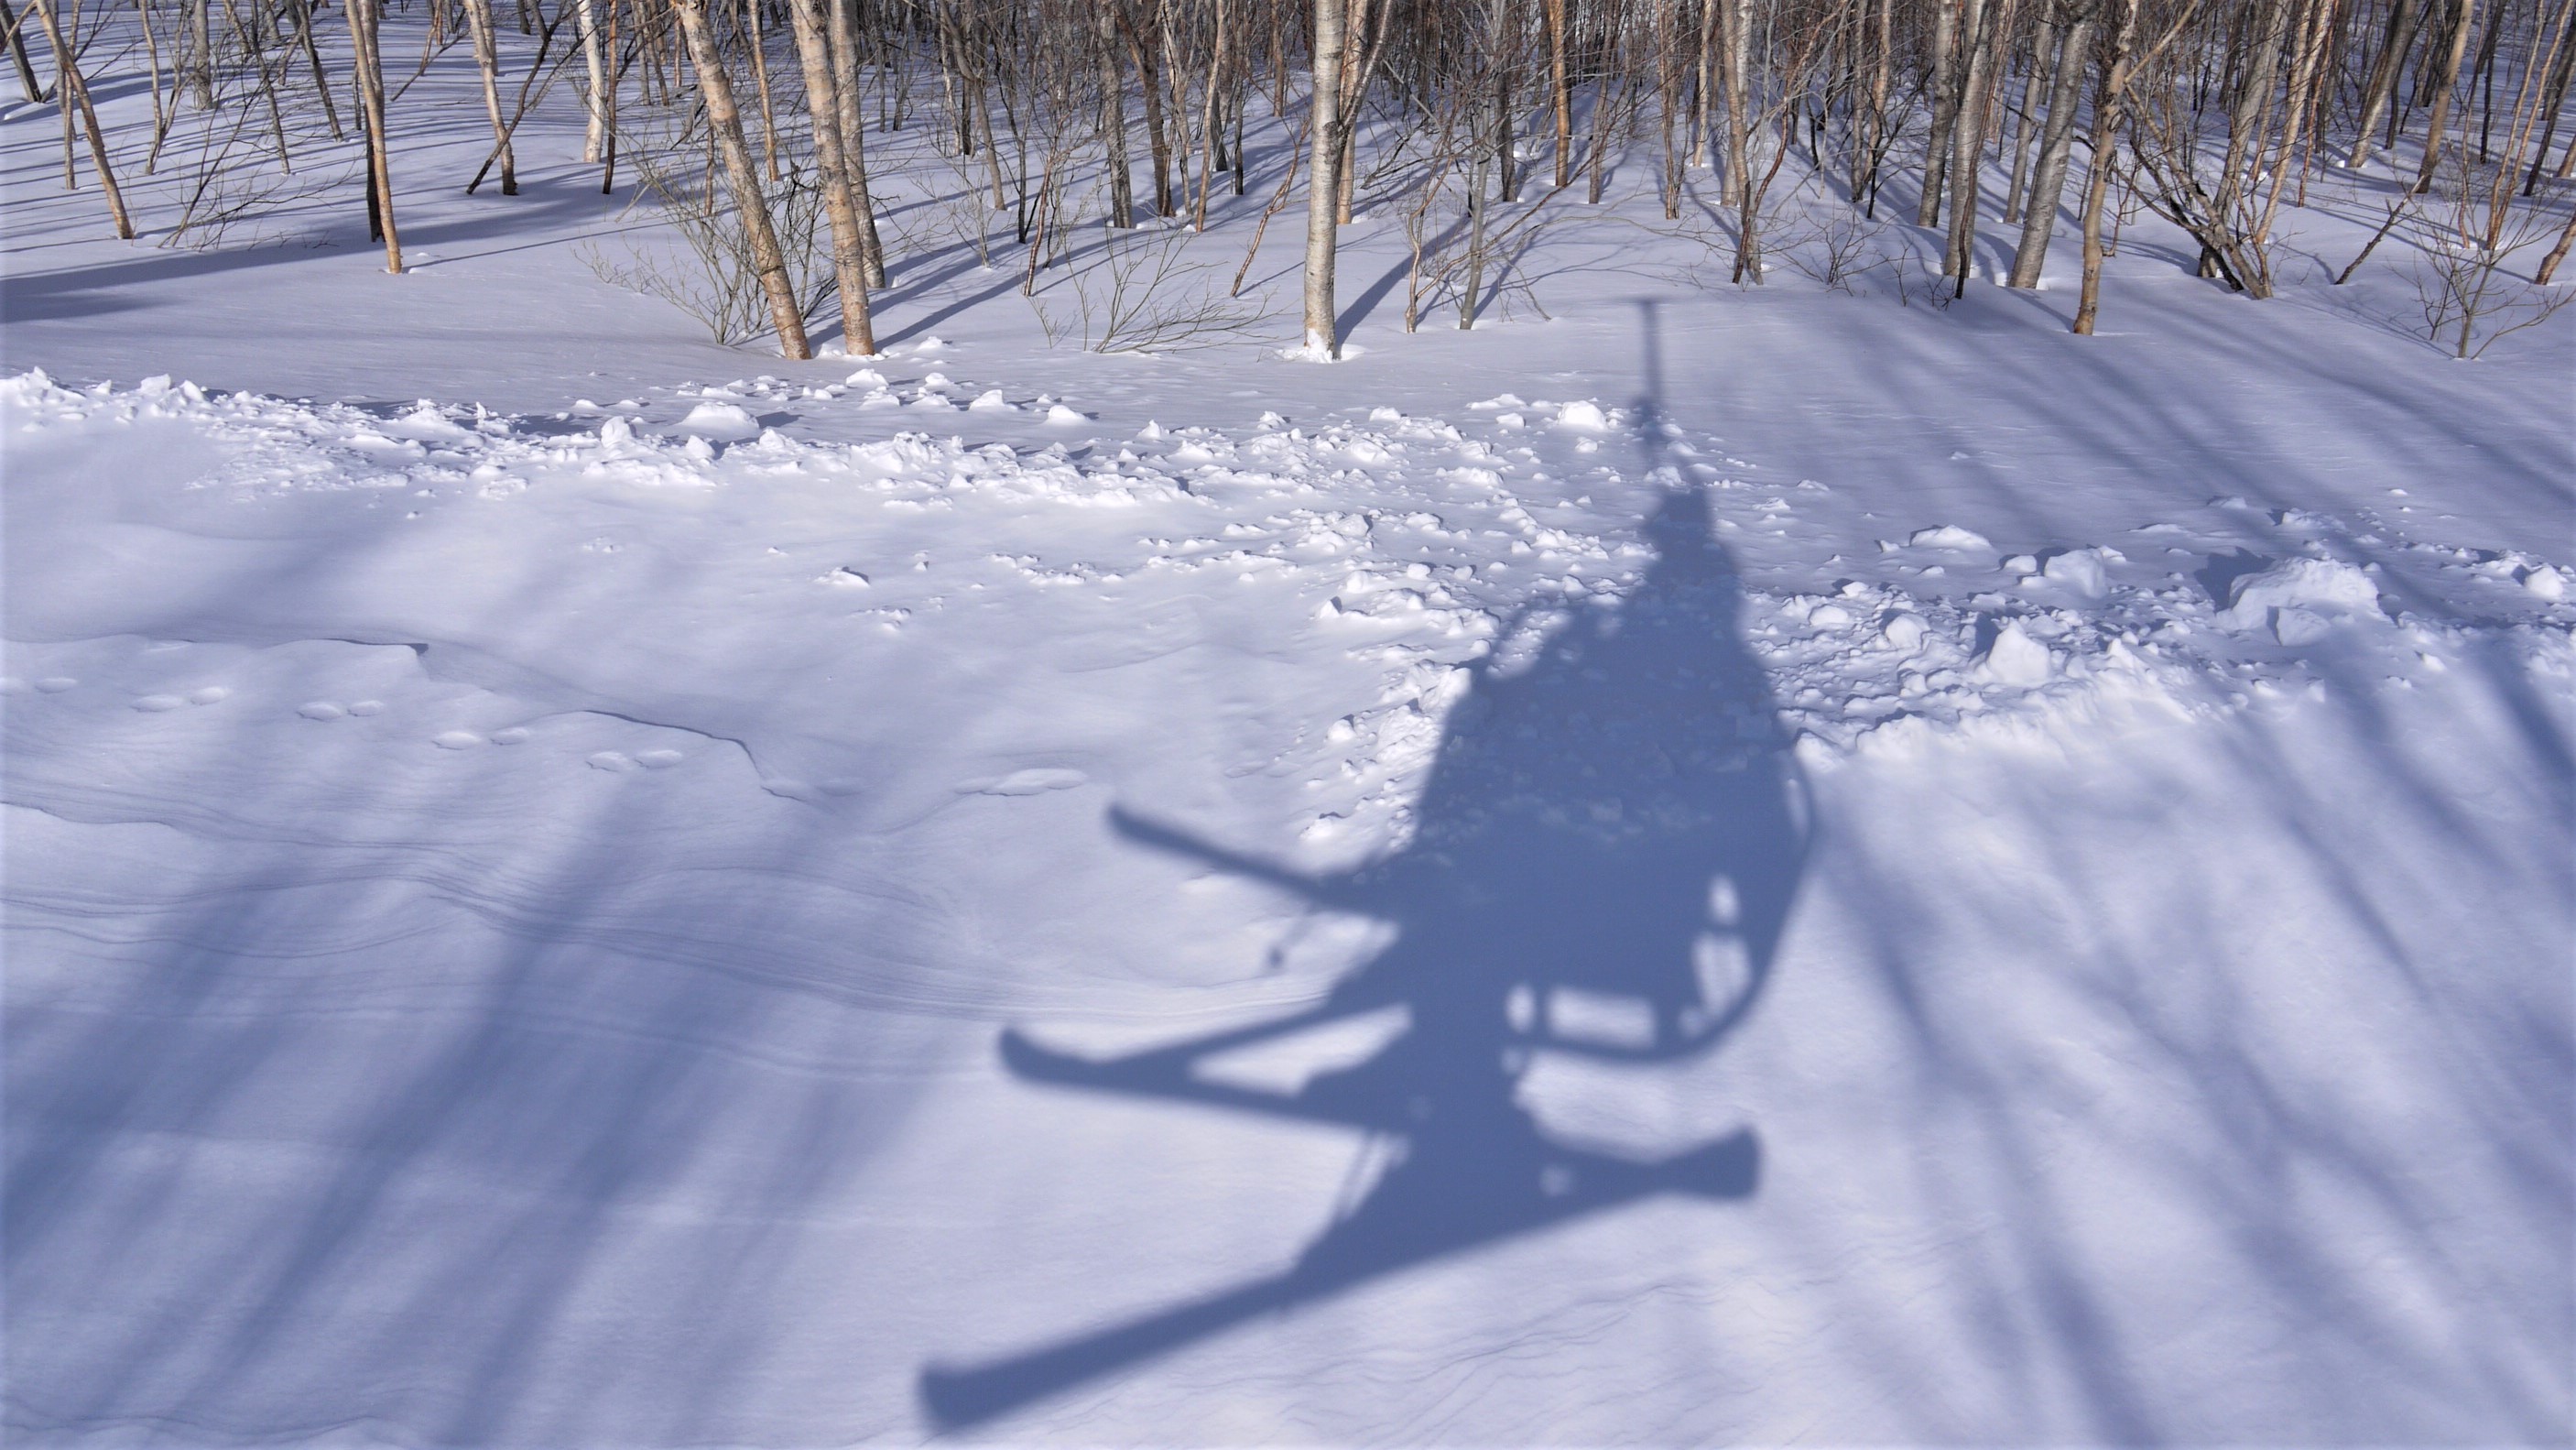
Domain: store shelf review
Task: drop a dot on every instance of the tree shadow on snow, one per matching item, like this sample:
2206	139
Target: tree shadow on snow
1602	863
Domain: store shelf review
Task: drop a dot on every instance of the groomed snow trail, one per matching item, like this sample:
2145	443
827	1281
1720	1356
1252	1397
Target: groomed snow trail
510	922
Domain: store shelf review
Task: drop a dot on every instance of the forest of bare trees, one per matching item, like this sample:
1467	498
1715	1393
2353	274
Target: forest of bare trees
1762	124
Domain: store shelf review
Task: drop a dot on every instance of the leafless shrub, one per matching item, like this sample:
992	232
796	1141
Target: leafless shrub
710	275
1835	245
1143	293
2471	286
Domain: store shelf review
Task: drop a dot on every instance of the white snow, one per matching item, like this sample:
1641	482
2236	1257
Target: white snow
2311	587
1949	536
725	422
537	922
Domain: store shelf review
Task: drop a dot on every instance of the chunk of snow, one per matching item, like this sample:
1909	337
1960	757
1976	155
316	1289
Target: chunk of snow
2545	581
2320	586
723	422
1315	350
1904	631
1584	417
1060	415
2081	571
2017	659
1948	536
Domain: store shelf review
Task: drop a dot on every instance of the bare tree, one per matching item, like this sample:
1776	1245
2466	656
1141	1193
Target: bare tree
724	119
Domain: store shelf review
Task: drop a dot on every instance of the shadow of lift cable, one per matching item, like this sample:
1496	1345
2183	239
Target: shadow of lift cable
1603	863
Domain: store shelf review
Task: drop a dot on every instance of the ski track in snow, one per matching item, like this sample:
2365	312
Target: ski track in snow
586	714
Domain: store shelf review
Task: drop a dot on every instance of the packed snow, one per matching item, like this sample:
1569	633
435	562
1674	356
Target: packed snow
1709	866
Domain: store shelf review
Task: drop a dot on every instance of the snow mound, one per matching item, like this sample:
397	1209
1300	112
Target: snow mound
2297	598
1583	417
1948	536
721	422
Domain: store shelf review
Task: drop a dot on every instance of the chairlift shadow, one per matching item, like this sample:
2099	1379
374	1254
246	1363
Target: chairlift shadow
1601	866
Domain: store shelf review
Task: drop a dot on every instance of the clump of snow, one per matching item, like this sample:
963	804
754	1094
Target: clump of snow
723	422
2314	588
1948	536
2017	659
2080	570
1583	417
1316	350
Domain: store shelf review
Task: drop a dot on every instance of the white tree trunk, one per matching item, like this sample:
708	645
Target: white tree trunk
1324	186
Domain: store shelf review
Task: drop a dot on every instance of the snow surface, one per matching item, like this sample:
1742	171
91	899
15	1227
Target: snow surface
1727	866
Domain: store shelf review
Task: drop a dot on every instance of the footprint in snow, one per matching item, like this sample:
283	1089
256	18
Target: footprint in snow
620	761
324	710
1025	782
56	684
155	704
456	740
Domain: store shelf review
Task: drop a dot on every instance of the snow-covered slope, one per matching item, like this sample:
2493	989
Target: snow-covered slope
1693	864
656	926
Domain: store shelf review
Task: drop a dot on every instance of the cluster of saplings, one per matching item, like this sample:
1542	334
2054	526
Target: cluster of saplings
1463	116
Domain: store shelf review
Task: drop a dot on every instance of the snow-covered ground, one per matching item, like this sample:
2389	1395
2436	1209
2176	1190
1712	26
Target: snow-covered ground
1726	866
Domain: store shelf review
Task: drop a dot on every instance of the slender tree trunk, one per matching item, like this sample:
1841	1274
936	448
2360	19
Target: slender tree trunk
363	17
2444	83
1471	295
2097	172
201	53
608	108
74	91
2048	179
1507	179
1113	122
823	104
1945	111
1734	57
1212	119
2384	75
304	39
594	125
2555	96
1560	91
724	122
756	44
854	150
1323	189
27	72
1157	143
2026	126
487	59
2557	254
1865	164
1967	137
